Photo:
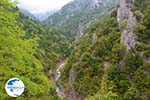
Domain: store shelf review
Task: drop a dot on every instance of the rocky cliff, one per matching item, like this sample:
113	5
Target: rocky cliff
127	22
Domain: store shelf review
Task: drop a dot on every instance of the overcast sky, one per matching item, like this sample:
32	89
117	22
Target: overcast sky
41	6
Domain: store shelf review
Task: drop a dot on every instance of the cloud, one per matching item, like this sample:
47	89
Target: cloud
41	6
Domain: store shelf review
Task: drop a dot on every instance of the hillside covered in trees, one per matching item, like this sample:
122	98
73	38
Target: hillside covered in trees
110	60
28	50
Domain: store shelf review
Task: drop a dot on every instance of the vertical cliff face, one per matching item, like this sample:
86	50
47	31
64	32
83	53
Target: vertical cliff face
127	22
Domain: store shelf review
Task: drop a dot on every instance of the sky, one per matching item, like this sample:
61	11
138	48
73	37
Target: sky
42	6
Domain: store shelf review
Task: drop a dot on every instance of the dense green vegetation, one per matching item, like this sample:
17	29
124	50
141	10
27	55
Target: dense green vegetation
27	50
104	69
142	30
88	58
97	65
52	45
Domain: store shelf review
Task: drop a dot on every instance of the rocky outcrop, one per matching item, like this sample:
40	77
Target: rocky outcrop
126	16
80	30
97	3
122	11
94	38
72	75
128	37
73	95
125	13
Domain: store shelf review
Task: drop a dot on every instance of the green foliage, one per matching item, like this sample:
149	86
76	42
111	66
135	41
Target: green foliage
87	59
142	33
123	24
133	62
142	29
106	65
138	16
103	69
17	57
52	44
77	15
104	96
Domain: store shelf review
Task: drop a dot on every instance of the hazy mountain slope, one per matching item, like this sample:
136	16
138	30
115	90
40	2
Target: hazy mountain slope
36	16
43	16
27	13
77	15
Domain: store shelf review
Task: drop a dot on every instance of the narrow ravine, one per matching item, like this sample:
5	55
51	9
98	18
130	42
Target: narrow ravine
59	90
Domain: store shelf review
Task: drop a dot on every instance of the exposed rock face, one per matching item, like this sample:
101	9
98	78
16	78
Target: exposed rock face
128	37
73	95
94	38
80	29
98	2
71	76
125	13
106	65
147	60
122	11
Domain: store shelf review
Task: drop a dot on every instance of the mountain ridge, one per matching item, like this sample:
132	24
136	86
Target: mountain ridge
78	14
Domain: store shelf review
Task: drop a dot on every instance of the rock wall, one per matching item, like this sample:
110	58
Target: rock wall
125	13
128	38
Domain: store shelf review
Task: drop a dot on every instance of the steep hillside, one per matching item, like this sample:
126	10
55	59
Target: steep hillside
52	47
77	15
17	57
112	61
27	13
28	50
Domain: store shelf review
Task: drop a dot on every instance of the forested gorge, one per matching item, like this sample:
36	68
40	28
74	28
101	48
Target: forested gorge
97	66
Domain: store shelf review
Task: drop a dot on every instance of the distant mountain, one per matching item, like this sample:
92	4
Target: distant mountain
26	12
76	15
36	16
43	16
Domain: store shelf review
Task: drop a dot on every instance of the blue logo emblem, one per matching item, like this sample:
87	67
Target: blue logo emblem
14	87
